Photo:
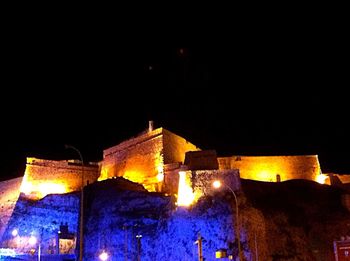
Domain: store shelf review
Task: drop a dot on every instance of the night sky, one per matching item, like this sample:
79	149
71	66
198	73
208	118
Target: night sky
265	90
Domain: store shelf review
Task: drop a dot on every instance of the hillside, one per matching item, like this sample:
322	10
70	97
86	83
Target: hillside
301	218
291	220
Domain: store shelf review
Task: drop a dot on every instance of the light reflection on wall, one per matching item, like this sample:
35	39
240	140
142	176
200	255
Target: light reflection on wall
185	192
322	178
273	168
40	189
148	171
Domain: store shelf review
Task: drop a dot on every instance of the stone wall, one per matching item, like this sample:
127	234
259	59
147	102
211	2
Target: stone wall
9	193
138	159
202	181
171	178
345	178
175	147
267	168
56	176
141	159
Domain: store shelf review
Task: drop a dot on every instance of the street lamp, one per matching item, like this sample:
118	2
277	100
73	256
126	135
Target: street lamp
103	255
138	237
81	225
33	240
217	184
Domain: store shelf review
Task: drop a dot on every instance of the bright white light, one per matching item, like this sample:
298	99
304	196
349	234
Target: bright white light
185	193
103	256
32	240
51	188
217	184
321	178
160	177
14	232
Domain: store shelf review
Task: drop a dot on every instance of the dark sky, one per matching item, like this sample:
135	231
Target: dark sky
257	89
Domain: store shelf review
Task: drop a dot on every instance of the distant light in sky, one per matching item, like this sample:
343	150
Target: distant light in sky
182	52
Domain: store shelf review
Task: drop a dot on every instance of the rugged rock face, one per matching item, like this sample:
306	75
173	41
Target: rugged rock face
41	219
301	219
292	220
118	218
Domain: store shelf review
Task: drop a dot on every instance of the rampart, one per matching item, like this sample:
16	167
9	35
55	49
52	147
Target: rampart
273	168
44	177
141	159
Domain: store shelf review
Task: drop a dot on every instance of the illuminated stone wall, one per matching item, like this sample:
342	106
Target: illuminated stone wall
9	193
175	147
266	168
141	159
44	177
171	178
345	179
137	159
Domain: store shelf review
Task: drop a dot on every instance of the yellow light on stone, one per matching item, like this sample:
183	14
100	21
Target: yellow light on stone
26	187
160	175
42	189
185	192
321	178
104	174
51	188
265	175
134	176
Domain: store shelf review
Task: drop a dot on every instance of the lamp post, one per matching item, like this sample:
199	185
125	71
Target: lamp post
138	237
103	256
217	184
33	240
81	225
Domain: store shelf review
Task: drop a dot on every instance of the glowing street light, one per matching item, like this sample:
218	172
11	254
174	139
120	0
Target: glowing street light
33	240
103	256
138	237
81	225
217	184
14	232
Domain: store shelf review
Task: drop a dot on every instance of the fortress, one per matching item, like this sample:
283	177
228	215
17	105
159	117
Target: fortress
157	159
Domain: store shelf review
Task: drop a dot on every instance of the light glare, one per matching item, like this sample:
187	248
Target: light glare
185	193
217	184
321	178
14	232
103	256
32	240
